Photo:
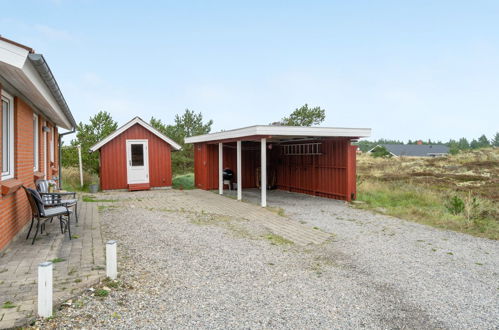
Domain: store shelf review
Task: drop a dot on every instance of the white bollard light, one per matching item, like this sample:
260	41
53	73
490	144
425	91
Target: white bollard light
111	262
45	289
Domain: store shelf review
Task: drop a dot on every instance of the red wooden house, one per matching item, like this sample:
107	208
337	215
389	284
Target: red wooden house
33	109
135	157
313	160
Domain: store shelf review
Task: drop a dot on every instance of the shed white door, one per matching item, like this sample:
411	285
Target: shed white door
137	158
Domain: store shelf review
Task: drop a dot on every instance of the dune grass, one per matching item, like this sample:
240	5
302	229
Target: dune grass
422	190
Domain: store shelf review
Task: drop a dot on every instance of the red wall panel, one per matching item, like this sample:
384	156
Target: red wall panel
113	167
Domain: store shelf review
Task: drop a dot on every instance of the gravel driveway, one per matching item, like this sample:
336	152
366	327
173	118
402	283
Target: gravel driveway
196	270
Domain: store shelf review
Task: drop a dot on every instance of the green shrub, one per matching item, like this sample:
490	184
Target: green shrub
455	205
183	181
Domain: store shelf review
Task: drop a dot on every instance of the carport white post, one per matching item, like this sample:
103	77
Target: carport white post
220	168
263	180
45	289
239	173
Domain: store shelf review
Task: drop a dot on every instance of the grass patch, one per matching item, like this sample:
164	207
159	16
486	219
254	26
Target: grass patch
426	205
94	199
103	208
111	283
278	240
8	305
279	210
235	226
56	260
185	181
101	293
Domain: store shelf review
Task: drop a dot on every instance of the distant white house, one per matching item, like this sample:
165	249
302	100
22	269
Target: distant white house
414	150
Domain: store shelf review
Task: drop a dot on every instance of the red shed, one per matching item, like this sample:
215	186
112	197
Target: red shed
313	160
135	157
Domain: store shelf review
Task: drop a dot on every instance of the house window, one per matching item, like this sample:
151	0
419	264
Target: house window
7	136
35	142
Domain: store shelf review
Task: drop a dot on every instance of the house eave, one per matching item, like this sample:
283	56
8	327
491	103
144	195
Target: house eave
27	75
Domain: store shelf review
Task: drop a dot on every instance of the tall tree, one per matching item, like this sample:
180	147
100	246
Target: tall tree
483	142
100	126
186	125
453	146
495	140
304	116
474	144
463	144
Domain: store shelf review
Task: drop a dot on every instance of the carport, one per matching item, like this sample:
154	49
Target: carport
319	161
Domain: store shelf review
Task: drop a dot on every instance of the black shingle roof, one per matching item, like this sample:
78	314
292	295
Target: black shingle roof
418	150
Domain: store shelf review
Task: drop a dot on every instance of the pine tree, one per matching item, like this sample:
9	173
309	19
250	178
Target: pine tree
463	144
483	142
495	140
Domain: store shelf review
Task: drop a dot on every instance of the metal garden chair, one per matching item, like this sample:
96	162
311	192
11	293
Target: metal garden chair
42	214
57	198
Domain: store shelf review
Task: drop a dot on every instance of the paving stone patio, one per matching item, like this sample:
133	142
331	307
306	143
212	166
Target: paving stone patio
209	202
82	265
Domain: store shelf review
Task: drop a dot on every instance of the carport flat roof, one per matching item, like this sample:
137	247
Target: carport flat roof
270	131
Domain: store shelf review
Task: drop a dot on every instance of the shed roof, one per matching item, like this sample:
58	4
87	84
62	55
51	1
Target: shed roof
281	132
416	150
140	121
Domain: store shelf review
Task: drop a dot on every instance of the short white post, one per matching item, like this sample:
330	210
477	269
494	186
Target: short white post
81	165
263	171
239	173
45	289
220	168
111	261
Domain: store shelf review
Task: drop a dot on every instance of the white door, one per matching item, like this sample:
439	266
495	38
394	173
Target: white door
137	158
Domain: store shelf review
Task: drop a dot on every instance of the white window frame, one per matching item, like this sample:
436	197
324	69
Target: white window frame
36	143
10	173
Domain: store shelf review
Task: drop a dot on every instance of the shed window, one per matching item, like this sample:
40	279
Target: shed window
137	155
7	136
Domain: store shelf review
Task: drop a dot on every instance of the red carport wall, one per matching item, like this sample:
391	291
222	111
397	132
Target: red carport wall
328	173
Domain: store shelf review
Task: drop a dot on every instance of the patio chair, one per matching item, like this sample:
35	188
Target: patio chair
42	215
56	198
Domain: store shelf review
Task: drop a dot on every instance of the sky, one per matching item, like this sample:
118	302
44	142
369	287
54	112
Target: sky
405	69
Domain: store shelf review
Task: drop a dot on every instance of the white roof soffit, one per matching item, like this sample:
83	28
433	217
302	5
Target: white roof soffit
136	120
27	75
284	131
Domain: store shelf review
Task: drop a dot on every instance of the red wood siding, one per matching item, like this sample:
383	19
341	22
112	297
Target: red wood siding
331	174
113	167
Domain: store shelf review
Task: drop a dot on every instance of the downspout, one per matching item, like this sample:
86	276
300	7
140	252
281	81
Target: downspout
60	153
